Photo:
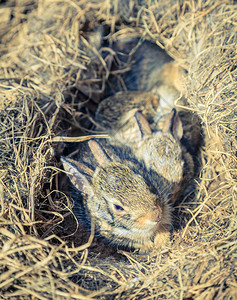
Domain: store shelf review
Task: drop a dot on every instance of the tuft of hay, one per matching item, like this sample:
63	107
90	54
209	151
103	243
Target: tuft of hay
52	75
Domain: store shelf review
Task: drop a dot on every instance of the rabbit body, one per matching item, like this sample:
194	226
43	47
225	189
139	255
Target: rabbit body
129	205
150	69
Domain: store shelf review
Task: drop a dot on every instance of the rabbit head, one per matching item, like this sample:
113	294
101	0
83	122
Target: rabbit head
115	114
115	111
161	150
120	203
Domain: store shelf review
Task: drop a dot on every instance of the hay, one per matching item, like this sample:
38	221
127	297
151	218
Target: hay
51	77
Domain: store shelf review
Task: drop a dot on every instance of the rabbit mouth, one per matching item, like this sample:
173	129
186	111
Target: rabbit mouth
136	232
150	224
148	227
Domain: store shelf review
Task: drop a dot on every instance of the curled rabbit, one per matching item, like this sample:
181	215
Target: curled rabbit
128	205
147	67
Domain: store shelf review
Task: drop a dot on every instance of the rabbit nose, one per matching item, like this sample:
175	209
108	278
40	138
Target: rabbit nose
150	219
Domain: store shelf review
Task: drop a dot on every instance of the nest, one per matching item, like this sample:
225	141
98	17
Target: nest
52	77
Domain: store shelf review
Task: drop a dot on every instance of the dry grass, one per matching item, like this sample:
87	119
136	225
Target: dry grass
50	72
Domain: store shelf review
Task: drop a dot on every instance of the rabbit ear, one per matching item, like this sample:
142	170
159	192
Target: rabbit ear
173	125
155	100
100	155
144	126
77	173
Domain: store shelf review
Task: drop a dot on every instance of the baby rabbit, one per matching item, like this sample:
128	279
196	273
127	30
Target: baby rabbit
161	150
150	69
128	205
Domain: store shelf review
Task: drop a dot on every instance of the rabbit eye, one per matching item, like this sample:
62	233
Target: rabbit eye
118	207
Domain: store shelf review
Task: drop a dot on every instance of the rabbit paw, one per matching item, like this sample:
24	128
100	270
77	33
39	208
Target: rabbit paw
146	248
161	239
